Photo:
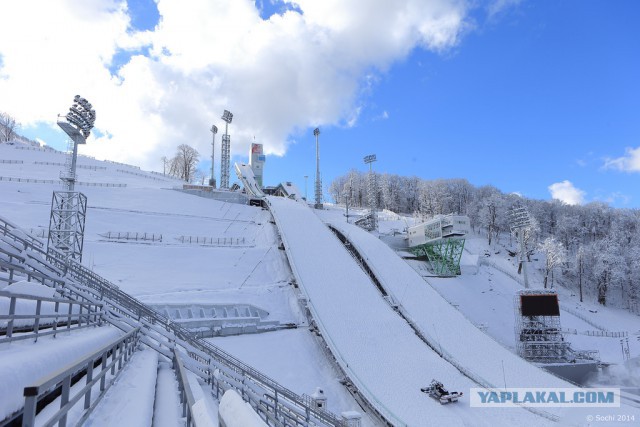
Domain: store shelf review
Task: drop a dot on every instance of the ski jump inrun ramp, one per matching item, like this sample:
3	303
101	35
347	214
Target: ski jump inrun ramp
378	349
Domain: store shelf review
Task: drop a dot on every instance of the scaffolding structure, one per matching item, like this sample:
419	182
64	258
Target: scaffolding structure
66	223
212	180
443	255
225	161
539	337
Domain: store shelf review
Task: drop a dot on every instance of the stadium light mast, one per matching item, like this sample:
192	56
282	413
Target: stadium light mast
212	181
225	161
372	190
69	208
520	222
77	124
318	188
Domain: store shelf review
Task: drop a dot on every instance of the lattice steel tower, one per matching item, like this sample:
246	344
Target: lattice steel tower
225	161
212	181
520	224
318	189
372	191
69	208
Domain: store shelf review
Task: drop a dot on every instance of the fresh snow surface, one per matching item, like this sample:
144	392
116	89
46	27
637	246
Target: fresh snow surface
167	410
379	351
486	360
235	412
22	363
129	401
257	273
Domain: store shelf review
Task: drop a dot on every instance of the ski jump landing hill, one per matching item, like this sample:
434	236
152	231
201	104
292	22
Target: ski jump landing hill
376	348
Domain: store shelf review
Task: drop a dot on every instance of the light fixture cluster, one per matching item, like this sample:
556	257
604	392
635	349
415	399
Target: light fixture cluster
82	115
227	116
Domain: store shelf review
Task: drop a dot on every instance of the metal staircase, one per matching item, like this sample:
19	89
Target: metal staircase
276	404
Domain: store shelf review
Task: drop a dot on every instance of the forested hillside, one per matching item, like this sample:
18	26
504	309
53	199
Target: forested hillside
594	249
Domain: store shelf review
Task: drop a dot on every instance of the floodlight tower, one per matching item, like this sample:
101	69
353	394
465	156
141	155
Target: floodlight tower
214	131
318	192
520	222
372	189
69	208
226	151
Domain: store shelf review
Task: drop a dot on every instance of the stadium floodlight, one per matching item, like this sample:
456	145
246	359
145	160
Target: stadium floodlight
69	208
212	181
372	190
520	222
227	116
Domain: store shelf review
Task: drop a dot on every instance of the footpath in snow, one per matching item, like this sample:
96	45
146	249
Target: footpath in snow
377	349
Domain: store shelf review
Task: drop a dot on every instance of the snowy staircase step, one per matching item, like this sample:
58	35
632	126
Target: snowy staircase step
130	401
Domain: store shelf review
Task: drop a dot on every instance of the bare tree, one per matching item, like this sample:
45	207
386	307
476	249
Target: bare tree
184	164
8	126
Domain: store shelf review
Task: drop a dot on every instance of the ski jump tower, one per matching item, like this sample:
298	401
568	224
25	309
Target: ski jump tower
69	207
441	241
225	161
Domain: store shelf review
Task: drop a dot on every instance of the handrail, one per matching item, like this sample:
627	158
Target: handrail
120	303
93	316
186	394
125	344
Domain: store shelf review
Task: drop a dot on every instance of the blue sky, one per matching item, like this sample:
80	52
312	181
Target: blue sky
542	95
521	95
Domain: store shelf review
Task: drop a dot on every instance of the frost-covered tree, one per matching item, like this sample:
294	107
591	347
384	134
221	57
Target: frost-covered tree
554	253
8	127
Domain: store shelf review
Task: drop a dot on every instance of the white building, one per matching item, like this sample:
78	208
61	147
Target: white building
256	161
440	227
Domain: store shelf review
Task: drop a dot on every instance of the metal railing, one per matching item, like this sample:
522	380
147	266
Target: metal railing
186	395
47	316
162	335
119	350
132	235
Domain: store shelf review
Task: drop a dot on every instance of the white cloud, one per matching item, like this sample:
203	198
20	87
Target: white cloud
630	162
278	76
567	193
496	7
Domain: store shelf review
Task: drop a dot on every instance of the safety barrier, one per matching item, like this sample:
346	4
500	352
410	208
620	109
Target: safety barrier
143	175
53	181
12	162
120	351
47	314
131	235
95	168
217	241
607	334
274	401
186	395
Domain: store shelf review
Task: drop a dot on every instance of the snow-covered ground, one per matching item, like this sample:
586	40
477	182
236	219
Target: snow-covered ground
257	272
